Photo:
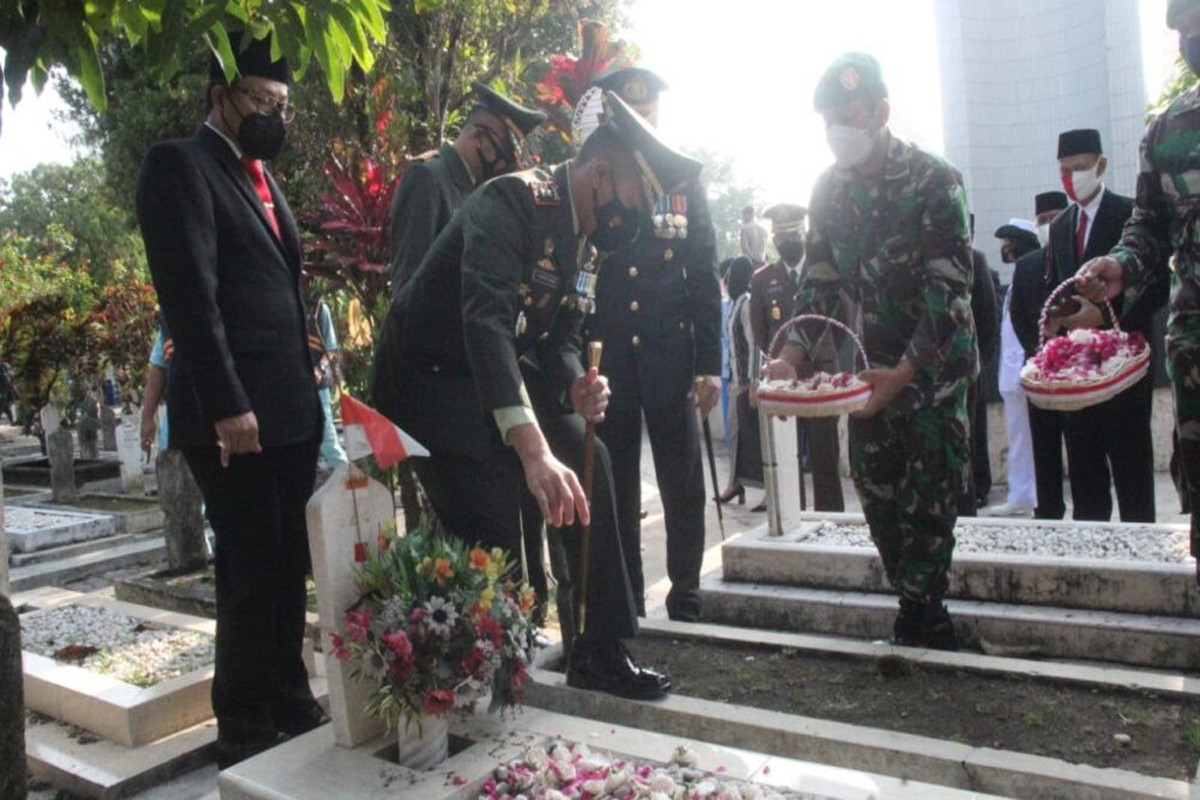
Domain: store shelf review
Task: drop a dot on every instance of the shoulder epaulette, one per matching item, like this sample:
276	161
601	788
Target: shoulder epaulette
545	193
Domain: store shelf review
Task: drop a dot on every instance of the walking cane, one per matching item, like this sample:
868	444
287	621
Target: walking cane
712	463
585	534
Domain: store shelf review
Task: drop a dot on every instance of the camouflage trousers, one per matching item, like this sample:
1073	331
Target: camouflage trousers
1183	364
910	468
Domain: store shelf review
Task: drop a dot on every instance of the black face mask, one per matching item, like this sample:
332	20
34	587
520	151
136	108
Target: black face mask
791	251
1007	254
1189	48
610	234
490	169
260	135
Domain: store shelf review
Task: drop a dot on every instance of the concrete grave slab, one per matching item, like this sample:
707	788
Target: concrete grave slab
313	766
31	528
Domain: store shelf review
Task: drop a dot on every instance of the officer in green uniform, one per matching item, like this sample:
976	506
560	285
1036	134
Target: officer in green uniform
1166	225
480	361
888	232
658	313
491	143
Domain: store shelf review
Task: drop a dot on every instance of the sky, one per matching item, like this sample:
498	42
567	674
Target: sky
742	74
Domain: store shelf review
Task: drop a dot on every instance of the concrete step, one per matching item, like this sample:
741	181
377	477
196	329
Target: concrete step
996	628
1140	587
146	549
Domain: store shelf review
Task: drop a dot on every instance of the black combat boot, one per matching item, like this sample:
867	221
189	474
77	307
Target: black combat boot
937	629
906	630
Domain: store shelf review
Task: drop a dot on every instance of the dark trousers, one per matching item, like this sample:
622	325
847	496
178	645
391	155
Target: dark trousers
1109	446
979	476
675	444
256	506
477	498
1046	430
821	436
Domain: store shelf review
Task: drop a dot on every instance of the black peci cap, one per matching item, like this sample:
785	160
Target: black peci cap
1049	201
253	58
1078	142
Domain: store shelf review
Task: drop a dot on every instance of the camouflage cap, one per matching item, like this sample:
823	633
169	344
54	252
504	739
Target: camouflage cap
1176	9
848	78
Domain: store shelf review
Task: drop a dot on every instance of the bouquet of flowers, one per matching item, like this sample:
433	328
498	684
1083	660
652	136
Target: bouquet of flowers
1084	367
439	626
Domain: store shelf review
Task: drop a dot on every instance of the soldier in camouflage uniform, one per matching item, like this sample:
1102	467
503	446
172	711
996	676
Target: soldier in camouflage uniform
888	232
1165	225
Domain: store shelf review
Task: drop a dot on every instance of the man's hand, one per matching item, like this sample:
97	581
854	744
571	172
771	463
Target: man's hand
786	367
1100	279
552	484
589	396
708	391
887	383
149	431
237	435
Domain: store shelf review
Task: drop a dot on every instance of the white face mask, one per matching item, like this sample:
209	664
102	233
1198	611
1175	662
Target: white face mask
851	146
1044	233
1085	182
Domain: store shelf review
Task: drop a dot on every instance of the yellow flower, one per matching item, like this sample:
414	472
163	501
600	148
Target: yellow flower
486	597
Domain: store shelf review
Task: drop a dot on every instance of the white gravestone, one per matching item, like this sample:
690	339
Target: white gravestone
50	419
129	451
781	473
350	508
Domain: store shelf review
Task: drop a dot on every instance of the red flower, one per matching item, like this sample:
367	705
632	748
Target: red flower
398	643
472	662
339	648
488	628
357	623
437	702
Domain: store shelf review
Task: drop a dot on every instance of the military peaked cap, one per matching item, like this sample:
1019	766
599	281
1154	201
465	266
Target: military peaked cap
786	217
488	99
634	85
664	170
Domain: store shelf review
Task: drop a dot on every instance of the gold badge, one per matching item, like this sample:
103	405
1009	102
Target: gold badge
668	254
776	314
849	79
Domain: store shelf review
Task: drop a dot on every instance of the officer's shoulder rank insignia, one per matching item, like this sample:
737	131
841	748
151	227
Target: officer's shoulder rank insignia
545	193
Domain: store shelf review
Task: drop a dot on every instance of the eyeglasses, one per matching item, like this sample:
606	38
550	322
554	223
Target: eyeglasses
265	104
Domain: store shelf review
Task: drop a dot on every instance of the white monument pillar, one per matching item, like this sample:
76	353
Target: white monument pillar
781	473
349	510
129	451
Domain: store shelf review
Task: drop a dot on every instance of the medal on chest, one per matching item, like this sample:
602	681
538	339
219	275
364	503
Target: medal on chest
585	281
670	217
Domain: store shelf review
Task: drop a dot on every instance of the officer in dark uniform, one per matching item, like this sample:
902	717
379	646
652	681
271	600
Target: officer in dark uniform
491	143
658	313
772	294
1029	292
480	361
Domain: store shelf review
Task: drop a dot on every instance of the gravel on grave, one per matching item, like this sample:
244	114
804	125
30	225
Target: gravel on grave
127	649
1123	543
21	519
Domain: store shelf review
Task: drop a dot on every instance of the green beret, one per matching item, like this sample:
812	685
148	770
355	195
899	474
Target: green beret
848	78
1176	9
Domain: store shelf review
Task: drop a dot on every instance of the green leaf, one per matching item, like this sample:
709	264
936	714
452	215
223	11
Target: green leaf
371	14
218	42
90	76
356	37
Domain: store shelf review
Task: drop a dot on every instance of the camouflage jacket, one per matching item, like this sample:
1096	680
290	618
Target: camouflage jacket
1165	213
895	248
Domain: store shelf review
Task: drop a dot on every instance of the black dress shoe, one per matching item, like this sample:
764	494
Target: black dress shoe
607	667
234	751
907	629
298	719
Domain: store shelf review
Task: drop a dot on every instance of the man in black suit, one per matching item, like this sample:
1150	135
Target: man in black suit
491	143
986	312
224	253
480	360
658	313
1108	444
1029	291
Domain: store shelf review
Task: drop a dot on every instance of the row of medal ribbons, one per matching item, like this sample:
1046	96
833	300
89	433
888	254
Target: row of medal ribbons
670	217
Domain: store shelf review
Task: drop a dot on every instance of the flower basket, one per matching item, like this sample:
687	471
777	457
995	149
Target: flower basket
1084	367
820	395
438	627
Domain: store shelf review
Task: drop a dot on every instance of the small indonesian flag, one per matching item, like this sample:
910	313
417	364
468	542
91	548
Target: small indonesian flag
367	431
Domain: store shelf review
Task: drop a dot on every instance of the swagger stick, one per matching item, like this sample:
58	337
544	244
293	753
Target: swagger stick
712	464
585	534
